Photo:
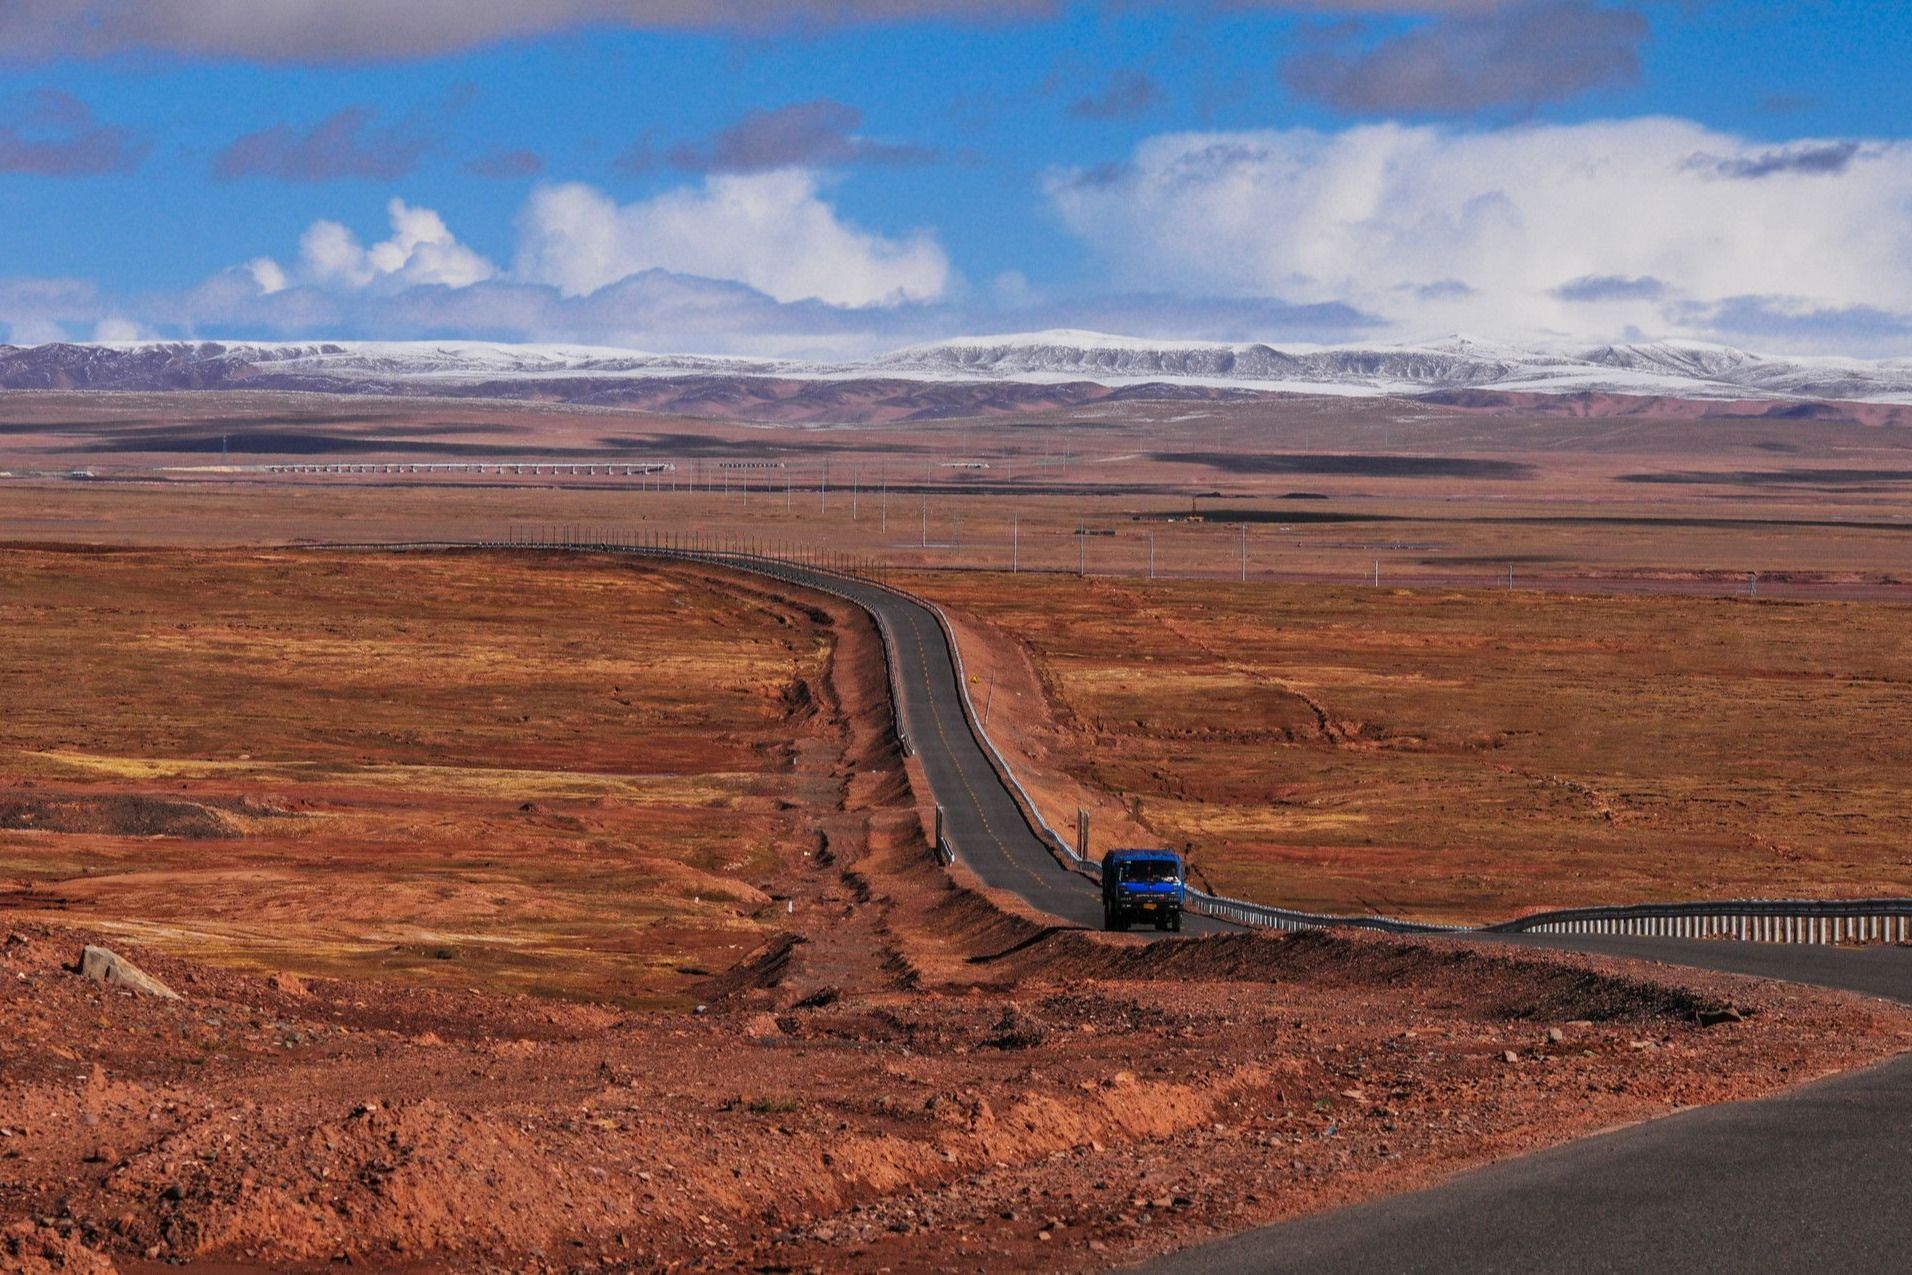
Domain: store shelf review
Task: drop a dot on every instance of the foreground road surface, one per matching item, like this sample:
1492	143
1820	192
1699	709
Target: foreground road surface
1812	1179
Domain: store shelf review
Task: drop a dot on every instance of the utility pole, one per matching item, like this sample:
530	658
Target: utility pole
884	524
1377	573
926	518
823	488
1151	555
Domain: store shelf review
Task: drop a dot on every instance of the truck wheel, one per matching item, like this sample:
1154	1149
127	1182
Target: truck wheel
1161	924
1175	922
1108	917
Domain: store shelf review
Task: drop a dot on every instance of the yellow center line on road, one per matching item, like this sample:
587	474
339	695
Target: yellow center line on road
962	776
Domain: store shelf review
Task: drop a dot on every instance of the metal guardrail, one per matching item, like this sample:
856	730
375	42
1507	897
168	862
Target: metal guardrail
1751	920
1885	920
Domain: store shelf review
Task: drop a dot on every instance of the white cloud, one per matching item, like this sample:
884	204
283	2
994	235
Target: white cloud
35	331
268	274
1369	216
35	311
422	250
768	230
116	328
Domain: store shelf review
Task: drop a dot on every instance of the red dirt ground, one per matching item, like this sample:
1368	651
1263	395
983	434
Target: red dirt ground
905	1075
1094	1103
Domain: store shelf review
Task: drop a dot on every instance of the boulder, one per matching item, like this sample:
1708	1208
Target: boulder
103	965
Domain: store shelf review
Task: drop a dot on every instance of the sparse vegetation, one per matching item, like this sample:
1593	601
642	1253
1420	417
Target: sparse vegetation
1470	755
562	777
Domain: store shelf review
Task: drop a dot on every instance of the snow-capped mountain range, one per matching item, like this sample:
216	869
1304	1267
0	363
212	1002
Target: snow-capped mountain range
1676	369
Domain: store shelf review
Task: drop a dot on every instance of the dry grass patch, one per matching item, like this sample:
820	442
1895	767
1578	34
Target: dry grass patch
557	775
1470	755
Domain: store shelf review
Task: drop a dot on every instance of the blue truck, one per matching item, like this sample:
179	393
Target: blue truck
1142	885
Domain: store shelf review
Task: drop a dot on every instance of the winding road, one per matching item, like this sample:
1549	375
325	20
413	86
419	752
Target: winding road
1813	1177
982	821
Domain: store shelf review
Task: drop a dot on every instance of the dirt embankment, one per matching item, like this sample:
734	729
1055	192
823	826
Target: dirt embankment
1111	1101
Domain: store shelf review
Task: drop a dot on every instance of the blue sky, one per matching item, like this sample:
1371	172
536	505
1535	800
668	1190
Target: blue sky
808	176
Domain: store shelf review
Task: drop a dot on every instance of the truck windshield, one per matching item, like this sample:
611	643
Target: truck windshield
1149	870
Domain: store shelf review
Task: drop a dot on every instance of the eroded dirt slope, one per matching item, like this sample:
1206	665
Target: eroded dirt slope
1093	1104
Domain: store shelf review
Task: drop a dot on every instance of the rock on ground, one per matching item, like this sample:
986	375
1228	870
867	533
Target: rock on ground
104	965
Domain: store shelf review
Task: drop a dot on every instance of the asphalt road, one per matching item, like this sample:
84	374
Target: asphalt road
981	820
1811	1179
1814	1178
1880	971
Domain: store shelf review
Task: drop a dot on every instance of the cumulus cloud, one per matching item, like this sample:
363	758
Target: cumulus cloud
1523	57
772	231
819	134
654	310
53	134
421	251
755	264
345	144
35	311
117	328
1512	214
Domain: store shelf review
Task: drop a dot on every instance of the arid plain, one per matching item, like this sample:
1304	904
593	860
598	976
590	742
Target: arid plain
441	848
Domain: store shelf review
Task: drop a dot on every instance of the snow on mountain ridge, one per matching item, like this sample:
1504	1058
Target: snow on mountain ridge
1685	369
1680	368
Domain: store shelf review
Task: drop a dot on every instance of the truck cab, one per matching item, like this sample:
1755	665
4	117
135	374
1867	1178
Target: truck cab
1142	885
